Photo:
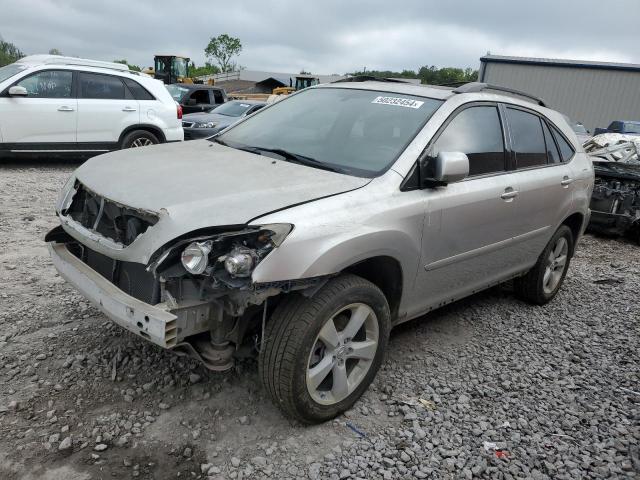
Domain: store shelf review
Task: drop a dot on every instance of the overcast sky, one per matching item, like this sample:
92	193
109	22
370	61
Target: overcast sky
328	36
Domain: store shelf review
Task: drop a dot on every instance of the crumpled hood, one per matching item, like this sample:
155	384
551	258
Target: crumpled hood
198	184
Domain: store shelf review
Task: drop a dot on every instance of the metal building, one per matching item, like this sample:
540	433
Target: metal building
594	93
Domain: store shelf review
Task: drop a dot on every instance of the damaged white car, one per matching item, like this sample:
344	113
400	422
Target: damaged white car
308	230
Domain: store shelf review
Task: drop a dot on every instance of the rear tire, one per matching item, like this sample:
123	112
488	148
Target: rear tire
139	138
321	353
544	280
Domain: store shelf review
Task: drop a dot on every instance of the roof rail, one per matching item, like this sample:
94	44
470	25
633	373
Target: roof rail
61	60
475	87
368	78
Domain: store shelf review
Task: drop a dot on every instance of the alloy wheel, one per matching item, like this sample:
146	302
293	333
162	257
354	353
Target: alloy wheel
141	142
556	264
342	353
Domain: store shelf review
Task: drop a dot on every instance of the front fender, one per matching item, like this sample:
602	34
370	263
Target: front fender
312	256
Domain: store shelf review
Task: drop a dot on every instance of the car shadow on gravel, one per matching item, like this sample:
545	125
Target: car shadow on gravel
18	162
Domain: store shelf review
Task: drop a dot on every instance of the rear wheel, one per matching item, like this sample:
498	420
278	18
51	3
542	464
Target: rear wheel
139	138
321	353
543	281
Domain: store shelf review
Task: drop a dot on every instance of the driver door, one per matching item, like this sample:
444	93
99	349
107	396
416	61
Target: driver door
46	117
465	243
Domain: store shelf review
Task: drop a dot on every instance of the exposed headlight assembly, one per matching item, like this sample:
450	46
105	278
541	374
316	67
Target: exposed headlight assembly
240	262
204	125
195	258
235	254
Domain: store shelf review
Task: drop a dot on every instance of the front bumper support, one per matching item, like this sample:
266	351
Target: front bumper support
150	322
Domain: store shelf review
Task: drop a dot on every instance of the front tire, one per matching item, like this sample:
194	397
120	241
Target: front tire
544	280
321	353
139	138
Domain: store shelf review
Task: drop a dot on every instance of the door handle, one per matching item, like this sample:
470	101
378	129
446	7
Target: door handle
66	108
566	181
509	194
129	109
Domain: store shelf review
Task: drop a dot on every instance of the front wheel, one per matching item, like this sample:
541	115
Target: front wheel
543	281
321	353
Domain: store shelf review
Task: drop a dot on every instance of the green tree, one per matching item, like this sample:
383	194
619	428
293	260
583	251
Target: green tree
55	51
206	69
222	49
9	53
135	68
386	73
441	76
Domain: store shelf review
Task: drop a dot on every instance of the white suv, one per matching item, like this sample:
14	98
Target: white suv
52	104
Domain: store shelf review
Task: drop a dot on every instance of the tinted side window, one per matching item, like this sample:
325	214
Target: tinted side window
137	90
566	150
477	132
527	138
552	150
200	97
216	96
93	85
48	84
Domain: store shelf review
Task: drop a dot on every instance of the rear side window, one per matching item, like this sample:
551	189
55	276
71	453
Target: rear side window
527	138
566	150
93	85
552	150
137	90
477	132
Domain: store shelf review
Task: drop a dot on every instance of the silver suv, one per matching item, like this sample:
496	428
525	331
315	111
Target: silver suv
308	230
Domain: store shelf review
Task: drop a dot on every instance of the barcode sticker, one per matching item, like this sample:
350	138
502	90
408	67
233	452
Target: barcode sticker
399	102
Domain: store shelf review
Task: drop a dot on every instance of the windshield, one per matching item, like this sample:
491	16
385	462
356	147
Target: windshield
232	109
359	132
9	71
177	92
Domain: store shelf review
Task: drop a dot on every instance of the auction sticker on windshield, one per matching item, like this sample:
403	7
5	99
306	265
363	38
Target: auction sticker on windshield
399	102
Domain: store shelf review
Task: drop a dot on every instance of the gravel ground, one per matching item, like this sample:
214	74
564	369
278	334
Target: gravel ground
488	387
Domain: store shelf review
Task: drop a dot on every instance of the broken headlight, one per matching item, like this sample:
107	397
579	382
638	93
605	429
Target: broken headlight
240	262
195	258
233	254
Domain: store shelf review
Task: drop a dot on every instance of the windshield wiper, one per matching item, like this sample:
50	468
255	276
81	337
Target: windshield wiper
285	154
294	158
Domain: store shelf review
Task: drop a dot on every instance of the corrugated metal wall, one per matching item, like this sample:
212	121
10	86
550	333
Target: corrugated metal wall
594	97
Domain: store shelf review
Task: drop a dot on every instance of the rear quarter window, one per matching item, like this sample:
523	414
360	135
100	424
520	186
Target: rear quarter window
566	150
552	150
137	90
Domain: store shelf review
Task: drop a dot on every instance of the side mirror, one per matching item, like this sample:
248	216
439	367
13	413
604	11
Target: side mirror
18	91
447	167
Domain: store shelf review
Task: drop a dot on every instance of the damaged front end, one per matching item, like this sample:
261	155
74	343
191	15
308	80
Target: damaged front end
195	296
615	202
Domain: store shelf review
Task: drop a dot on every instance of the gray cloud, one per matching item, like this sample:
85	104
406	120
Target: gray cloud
330	36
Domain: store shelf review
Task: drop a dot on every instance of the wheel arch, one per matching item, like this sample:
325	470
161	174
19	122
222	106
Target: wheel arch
575	222
385	272
144	127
